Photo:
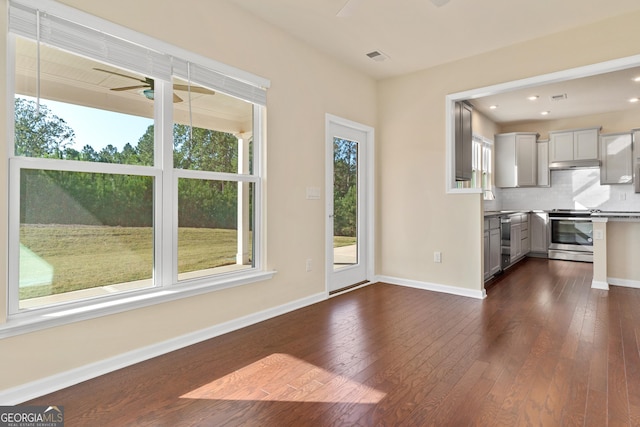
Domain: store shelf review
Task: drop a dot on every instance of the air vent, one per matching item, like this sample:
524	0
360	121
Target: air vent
376	55
560	97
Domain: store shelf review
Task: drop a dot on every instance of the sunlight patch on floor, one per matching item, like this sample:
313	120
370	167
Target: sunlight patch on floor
284	378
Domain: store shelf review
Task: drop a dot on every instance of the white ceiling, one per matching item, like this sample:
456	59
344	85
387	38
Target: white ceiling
417	34
602	93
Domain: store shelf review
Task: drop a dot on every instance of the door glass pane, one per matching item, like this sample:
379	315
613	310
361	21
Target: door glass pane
345	203
83	235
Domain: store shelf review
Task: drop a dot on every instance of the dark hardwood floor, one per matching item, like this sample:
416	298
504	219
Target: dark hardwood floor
543	349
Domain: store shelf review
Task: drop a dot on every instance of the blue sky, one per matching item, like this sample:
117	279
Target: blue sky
98	128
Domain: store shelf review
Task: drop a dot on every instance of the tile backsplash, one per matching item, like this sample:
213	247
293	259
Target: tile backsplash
570	189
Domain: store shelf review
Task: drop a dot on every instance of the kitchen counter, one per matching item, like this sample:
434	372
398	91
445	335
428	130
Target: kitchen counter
618	216
498	213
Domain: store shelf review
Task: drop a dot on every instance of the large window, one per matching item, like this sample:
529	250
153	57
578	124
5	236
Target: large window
131	172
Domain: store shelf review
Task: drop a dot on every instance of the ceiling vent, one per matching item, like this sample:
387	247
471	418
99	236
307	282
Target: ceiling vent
376	55
560	97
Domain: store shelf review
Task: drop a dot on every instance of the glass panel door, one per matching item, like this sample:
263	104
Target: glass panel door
347	232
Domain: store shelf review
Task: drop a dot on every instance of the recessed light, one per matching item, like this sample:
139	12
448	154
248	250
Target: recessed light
533	97
637	79
493	107
634	99
544	113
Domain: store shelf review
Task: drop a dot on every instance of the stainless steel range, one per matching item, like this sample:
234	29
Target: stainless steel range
571	235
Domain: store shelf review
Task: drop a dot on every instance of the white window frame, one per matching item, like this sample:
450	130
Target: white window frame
166	287
482	164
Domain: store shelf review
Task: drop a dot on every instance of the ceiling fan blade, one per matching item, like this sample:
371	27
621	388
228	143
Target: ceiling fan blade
194	89
349	7
176	98
119	89
121	75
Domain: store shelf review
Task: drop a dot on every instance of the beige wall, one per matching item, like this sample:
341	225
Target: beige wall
483	126
417	216
305	85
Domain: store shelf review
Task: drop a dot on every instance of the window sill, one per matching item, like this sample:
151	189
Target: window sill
48	318
464	190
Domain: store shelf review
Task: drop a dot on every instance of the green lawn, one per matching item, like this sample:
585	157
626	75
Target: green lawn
74	257
82	257
339	241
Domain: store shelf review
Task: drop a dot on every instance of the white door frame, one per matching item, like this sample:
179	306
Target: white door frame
369	176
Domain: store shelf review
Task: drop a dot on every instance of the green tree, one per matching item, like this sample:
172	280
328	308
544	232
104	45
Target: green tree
345	191
39	132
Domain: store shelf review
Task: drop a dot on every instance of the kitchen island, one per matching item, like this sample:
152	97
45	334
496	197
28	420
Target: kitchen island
616	243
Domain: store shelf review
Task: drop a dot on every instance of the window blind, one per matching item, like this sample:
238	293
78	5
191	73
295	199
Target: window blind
88	42
218	81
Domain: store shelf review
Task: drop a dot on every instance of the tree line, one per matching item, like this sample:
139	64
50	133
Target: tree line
61	197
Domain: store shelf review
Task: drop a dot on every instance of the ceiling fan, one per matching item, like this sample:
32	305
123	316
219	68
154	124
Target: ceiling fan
351	5
148	86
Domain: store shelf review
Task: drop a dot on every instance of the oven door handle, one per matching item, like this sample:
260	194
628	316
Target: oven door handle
569	218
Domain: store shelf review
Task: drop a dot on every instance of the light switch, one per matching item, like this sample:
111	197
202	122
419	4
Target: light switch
598	235
313	193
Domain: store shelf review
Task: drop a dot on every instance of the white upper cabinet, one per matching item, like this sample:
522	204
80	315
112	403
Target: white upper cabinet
561	147
544	176
516	159
580	144
585	144
617	159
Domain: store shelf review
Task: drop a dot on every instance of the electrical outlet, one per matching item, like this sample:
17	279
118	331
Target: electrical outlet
308	264
437	256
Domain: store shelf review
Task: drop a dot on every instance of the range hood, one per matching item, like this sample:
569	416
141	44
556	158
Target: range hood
575	164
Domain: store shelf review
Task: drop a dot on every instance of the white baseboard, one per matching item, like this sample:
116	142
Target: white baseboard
624	282
22	393
470	293
597	284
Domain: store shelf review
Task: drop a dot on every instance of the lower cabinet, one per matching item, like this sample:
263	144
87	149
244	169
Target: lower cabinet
492	247
520	243
487	254
516	241
495	249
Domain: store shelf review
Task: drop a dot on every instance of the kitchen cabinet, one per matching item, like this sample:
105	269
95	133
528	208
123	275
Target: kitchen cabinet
516	241
617	158
495	250
520	243
570	145
487	252
492	247
516	159
544	175
525	245
463	141
539	222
